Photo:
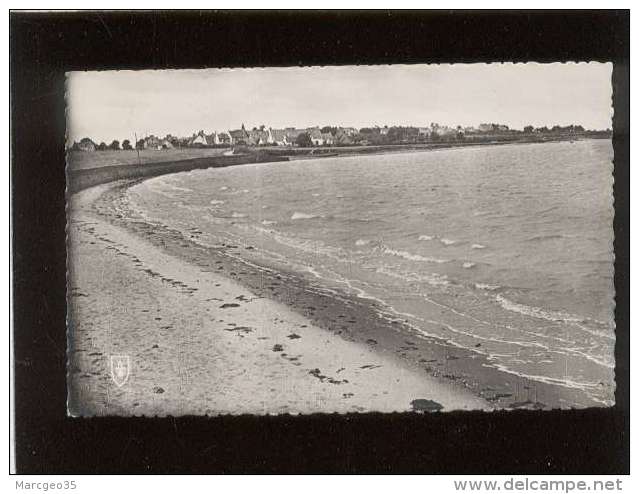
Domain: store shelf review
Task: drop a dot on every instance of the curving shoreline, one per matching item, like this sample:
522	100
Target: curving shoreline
201	342
80	179
460	371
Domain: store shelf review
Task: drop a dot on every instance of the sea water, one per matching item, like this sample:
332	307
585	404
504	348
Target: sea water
504	250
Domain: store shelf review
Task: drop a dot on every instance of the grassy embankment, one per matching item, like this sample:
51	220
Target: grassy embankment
89	169
78	160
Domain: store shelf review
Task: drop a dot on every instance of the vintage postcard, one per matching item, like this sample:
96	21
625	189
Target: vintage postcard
340	239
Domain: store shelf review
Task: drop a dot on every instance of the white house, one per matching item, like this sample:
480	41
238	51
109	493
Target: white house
199	140
316	136
279	137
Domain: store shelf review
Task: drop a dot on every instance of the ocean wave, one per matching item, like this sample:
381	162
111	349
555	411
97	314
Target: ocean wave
549	315
548	210
216	202
432	279
188	207
496	360
540	238
268	222
303	216
313	271
477	246
563	350
214	219
486	286
360	242
412	257
177	187
238	215
352	286
163	188
224	187
535	312
347	219
315	247
425	237
587	387
447	241
468	265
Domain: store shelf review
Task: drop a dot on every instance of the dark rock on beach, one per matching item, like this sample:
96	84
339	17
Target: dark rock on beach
422	405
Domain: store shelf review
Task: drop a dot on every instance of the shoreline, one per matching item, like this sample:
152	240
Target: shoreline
84	178
377	149
80	178
201	342
353	320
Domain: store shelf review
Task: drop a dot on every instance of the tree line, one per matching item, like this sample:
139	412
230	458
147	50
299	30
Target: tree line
114	146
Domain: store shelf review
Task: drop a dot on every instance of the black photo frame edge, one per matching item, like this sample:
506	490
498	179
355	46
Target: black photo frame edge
43	46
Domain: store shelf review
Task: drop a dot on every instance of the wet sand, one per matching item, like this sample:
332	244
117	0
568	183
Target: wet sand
207	334
146	269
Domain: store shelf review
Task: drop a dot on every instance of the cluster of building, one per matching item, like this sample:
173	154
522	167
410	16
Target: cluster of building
261	136
315	136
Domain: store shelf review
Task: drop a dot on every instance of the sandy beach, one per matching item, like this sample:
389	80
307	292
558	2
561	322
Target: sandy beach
200	342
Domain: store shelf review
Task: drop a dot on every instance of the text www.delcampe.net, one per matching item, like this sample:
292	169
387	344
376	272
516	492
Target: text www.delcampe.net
541	485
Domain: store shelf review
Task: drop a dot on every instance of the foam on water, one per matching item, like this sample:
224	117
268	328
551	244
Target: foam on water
178	188
548	315
432	279
486	286
542	238
540	296
302	216
412	257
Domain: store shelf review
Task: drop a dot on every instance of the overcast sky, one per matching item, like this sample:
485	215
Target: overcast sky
115	104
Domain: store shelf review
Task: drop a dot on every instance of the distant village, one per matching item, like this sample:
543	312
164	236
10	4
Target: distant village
335	136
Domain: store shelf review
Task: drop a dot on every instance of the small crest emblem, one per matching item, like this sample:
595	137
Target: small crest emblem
120	367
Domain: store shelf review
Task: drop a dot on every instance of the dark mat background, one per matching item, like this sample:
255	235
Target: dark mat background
45	45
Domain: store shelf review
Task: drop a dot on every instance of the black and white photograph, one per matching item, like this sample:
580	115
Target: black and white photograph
296	240
282	242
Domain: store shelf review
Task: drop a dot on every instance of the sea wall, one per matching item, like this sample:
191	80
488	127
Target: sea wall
82	179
